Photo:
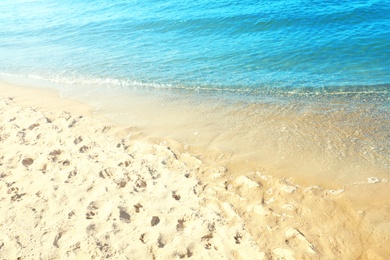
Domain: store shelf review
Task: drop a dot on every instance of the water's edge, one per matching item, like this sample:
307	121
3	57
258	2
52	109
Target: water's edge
329	144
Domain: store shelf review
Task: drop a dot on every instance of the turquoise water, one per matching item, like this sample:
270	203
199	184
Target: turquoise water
235	46
305	77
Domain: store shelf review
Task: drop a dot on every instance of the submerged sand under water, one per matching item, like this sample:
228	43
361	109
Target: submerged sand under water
190	179
331	140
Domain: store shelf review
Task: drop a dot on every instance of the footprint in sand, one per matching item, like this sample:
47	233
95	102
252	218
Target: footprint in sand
78	140
161	241
54	155
123	215
66	163
16	196
71	214
175	196
44	168
21	136
106	173
121	183
72	174
188	254
27	161
124	164
207	238
140	183
137	207
142	238
180	225
57	238
238	238
155	220
91	213
31	127
84	149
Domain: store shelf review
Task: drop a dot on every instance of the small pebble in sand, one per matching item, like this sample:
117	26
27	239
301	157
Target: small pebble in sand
373	180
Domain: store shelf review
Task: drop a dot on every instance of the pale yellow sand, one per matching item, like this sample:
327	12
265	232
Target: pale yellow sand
76	187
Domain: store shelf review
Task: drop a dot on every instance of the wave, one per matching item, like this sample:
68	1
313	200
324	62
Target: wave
367	93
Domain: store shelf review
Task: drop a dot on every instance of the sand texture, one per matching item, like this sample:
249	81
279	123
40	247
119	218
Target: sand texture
72	187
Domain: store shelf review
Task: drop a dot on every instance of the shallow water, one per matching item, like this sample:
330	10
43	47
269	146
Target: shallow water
329	141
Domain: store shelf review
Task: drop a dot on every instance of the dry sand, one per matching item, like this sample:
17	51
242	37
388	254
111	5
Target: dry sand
76	187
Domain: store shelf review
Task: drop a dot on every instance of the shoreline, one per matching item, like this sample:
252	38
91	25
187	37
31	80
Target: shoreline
221	210
288	140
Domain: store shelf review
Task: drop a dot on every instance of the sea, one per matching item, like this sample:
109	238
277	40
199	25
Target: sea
300	86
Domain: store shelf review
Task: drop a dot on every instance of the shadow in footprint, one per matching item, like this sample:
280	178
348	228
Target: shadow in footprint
155	221
123	215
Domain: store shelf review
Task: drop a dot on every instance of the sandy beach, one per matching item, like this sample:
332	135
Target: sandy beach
74	186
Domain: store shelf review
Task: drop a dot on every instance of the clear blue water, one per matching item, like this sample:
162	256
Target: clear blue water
233	46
